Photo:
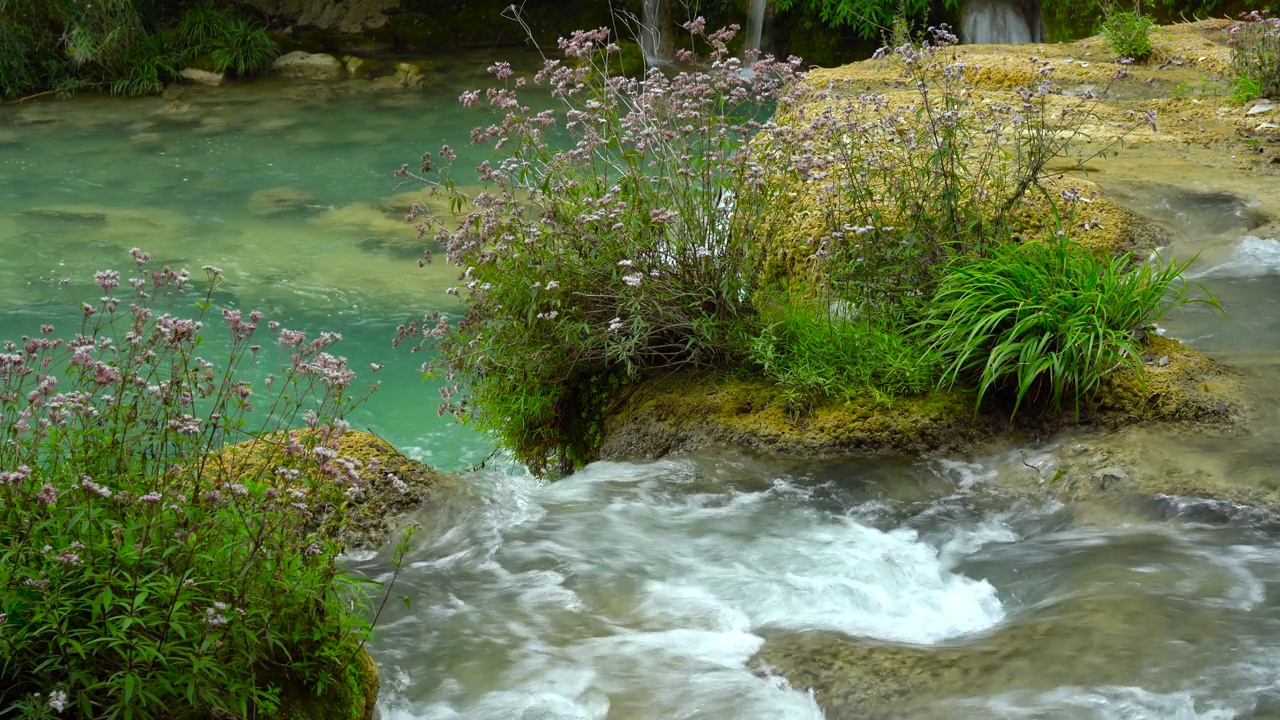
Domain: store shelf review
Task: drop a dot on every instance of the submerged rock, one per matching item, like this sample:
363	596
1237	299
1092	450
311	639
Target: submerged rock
1088	638
309	66
273	201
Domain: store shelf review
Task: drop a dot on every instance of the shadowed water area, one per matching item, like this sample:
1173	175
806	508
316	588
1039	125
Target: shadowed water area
934	588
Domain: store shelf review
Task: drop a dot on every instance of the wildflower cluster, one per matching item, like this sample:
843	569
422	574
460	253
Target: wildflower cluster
677	227
1255	55
138	575
625	248
907	183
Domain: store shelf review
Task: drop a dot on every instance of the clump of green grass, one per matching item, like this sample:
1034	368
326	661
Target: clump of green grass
814	349
1046	321
1128	33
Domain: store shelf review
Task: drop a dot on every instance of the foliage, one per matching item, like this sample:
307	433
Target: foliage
242	48
813	350
1255	56
135	580
1047	320
868	18
626	251
1128	32
907	187
126	46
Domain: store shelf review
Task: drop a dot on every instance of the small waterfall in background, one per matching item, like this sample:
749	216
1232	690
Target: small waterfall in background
755	24
1001	22
655	43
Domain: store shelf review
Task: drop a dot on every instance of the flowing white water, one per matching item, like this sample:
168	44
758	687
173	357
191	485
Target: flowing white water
1000	22
1252	257
641	591
755	24
652	33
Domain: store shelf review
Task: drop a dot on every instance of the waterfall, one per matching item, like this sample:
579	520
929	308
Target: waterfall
655	43
755	24
1001	22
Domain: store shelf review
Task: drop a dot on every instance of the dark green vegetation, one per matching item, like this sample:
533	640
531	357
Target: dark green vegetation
1046	321
127	47
143	572
1128	32
856	247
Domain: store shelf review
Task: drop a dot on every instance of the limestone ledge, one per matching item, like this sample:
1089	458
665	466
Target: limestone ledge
379	513
692	410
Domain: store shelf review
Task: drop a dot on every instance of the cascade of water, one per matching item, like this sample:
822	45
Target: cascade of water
653	41
1001	22
755	24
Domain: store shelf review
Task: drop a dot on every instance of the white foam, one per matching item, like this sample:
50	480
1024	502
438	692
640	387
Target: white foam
1253	257
642	590
840	575
1105	703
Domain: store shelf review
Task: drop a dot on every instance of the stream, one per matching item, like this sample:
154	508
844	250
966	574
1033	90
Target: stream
644	590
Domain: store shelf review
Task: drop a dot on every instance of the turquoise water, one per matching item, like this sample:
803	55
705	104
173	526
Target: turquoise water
286	186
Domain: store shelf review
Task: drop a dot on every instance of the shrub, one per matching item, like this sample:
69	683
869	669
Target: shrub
1128	32
867	18
624	251
125	46
135	581
905	187
242	48
1255	56
1045	321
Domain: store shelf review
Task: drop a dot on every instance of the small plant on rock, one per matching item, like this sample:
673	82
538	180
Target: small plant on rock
1045	321
1128	32
1255	56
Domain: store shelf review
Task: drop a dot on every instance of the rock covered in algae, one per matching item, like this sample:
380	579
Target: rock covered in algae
693	410
277	200
393	484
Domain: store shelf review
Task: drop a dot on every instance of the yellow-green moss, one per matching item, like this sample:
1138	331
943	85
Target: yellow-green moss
352	695
696	409
394	484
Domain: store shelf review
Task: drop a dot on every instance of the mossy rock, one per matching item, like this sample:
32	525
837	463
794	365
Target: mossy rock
1090	637
691	410
352	696
394	485
697	409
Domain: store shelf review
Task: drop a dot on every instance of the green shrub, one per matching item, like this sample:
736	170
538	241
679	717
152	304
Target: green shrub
1045	321
903	188
137	580
1255	56
813	349
1128	33
867	18
242	48
619	246
129	47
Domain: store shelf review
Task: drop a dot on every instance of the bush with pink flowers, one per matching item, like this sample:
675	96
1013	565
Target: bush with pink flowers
135	581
